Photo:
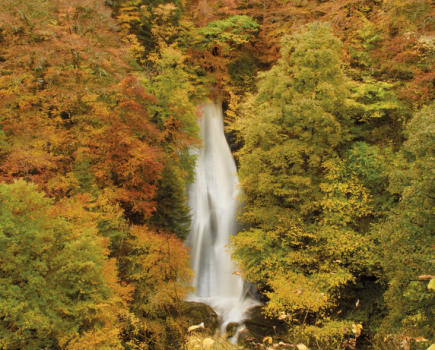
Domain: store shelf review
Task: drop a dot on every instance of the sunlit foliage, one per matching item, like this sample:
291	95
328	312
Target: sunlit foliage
58	288
303	199
326	102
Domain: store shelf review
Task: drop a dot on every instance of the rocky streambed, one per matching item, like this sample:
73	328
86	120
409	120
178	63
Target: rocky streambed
255	327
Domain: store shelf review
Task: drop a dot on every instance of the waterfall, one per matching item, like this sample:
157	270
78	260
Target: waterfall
213	203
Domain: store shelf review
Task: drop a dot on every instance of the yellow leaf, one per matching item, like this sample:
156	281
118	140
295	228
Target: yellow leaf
356	328
194	340
207	343
283	316
324	296
267	339
90	98
301	347
192	328
431	284
432	347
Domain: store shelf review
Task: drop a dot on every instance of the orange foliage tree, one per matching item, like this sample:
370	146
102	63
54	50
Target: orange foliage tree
63	92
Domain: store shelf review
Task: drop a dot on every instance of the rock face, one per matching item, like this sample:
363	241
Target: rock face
199	312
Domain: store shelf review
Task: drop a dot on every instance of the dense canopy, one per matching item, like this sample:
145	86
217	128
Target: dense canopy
329	108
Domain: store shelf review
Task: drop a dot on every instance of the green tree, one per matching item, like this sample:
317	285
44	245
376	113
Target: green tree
140	17
158	266
406	237
57	287
84	176
176	115
301	200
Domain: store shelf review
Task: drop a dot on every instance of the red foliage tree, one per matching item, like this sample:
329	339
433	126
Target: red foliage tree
63	92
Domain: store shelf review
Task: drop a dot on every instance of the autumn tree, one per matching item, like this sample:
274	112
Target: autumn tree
406	237
167	74
223	44
159	268
302	201
58	289
66	91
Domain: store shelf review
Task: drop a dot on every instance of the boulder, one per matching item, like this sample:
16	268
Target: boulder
231	329
196	313
260	326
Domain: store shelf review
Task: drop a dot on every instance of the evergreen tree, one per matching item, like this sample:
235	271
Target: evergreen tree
173	213
302	202
84	176
176	116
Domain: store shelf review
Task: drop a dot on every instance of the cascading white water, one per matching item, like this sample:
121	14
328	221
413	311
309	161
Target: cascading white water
213	203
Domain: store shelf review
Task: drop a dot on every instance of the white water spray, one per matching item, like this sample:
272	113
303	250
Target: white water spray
213	203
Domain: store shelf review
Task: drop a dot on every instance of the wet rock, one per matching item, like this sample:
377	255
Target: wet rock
260	326
231	329
200	312
245	339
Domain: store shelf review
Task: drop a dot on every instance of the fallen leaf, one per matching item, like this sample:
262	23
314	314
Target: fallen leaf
339	312
192	328
267	339
236	273
431	284
301	347
432	347
356	328
405	344
337	261
426	277
324	296
207	343
420	339
357	303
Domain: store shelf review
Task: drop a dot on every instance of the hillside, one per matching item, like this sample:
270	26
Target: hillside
329	108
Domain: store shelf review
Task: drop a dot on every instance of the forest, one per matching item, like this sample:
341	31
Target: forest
329	104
